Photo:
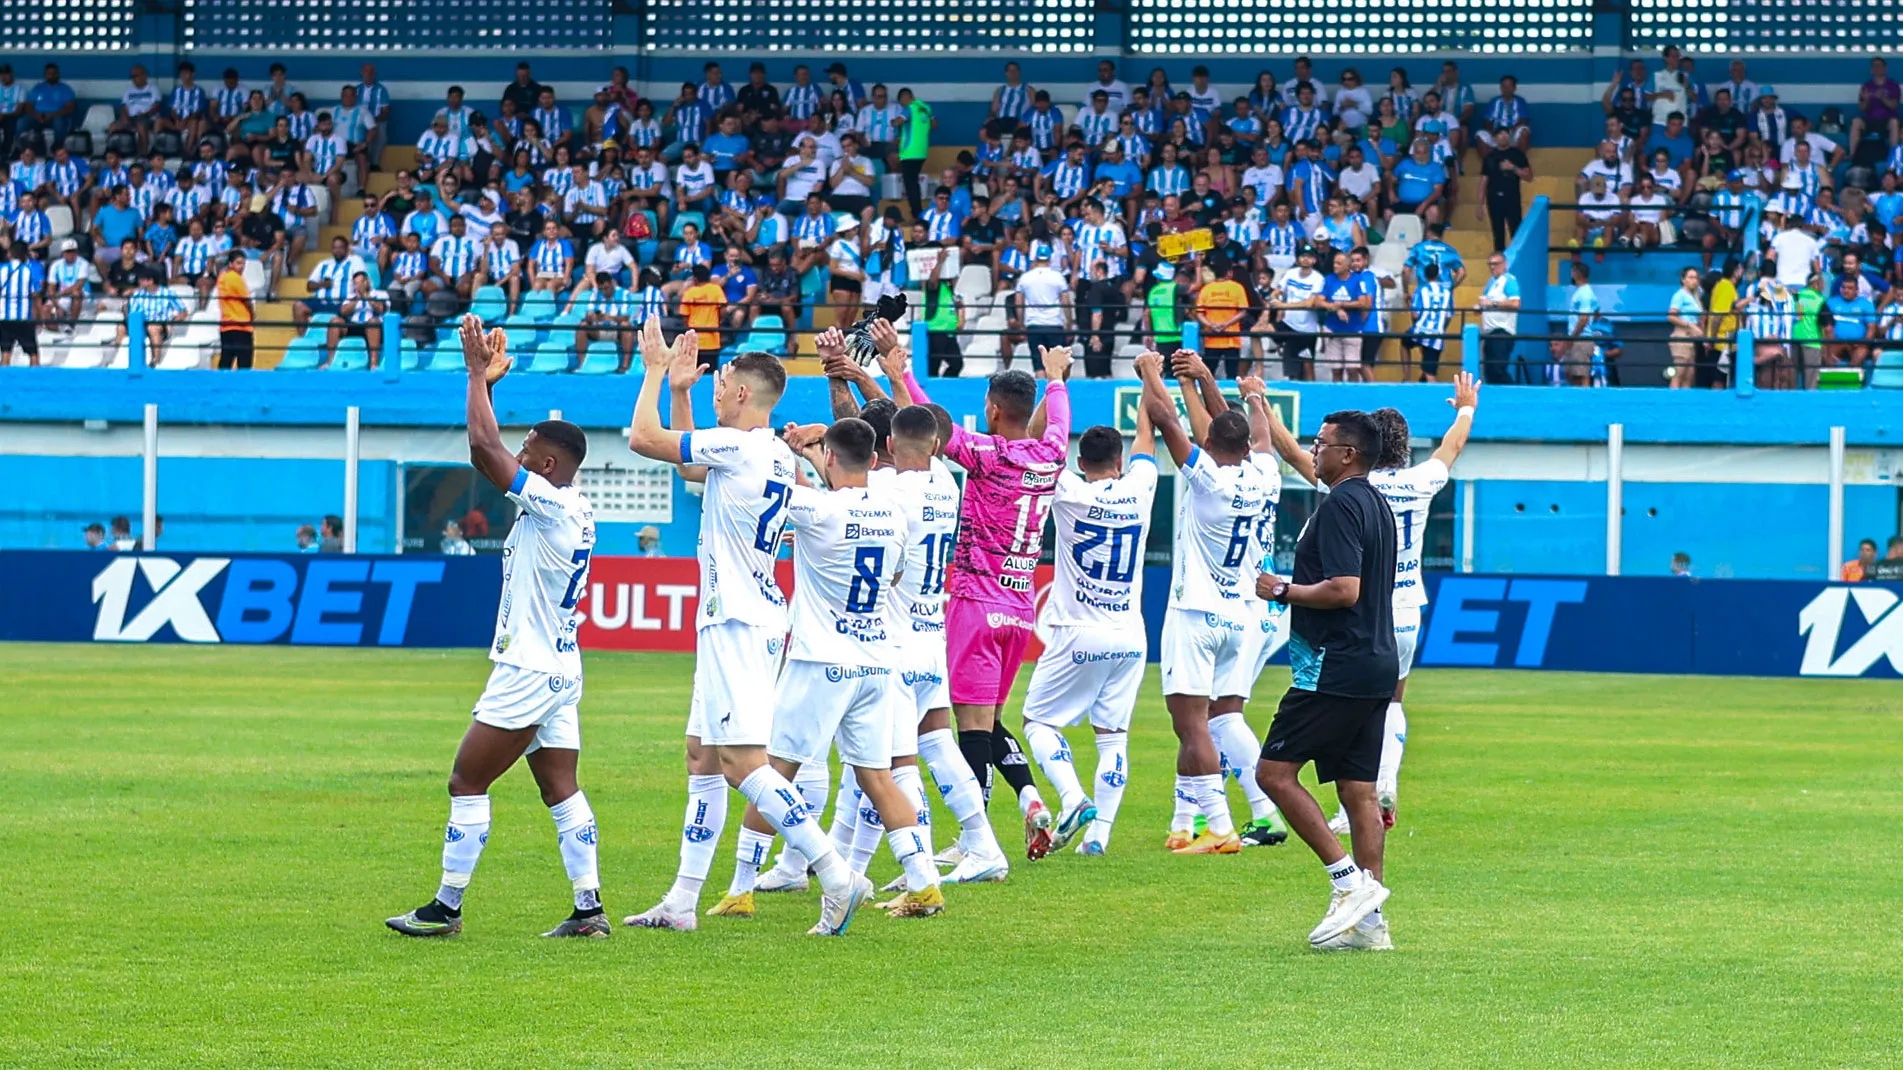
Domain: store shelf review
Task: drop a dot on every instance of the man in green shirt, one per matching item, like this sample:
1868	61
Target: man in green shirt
1161	306
944	314
915	143
1806	338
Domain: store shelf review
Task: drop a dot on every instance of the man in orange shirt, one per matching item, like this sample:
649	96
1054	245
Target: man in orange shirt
235	313
702	305
1866	556
1219	308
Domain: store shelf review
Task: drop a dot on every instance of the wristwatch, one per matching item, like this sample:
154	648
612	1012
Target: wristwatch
1279	593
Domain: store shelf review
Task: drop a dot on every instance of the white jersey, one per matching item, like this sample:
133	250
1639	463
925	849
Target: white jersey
848	550
544	574
743	512
1216	542
1409	491
1262	557
1101	530
930	502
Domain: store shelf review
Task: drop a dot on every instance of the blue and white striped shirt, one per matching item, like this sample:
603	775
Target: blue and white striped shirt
287	201
157	305
330	279
231	101
410	265
553	121
1300	124
691	253
1505	113
585	204
373	95
1096	126
813	228
551	257
67	177
1770	319
500	257
1148	121
30	176
1045	126
187	101
1013	261
1433	304
801	100
1728	208
9	199
302	123
325	151
64	273
187	203
651	302
1135	147
210	174
1316	181
369	232
161	180
716	96
30	225
1283	239
1891	316
644	132
111	178
19	285
939	225
1013	100
559	179
1094	243
433	147
364	308
1167	180
195	254
456	256
691	119
1067	179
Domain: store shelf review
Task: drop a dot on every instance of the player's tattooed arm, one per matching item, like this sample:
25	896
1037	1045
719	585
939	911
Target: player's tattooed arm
1194	377
1466	397
486	356
1162	411
646	436
843	373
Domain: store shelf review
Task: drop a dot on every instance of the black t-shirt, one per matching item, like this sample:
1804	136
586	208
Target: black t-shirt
1727	122
773	145
1633	120
989	232
758	98
1348	651
261	229
1503	181
778	284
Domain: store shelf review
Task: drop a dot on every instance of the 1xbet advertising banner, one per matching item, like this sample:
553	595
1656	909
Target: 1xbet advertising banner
1582	624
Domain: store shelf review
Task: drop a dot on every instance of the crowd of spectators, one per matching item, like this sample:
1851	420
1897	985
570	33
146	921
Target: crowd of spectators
732	202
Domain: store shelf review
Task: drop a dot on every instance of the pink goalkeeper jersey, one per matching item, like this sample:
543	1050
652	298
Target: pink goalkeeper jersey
1009	487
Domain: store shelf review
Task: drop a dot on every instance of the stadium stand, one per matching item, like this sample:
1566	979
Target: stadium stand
1173	134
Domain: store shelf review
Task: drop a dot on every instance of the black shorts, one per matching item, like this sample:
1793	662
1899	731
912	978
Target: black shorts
1341	735
20	333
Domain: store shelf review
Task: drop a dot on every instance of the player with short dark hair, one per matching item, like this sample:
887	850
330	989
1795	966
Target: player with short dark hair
530	708
1344	668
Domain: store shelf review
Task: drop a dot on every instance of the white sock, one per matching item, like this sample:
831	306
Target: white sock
749	854
914	853
576	834
958	786
866	835
1213	803
1053	756
1345	875
913	785
468	830
1393	743
1028	798
1184	818
700	837
1113	773
1371	922
1240	751
846	810
774	797
814	782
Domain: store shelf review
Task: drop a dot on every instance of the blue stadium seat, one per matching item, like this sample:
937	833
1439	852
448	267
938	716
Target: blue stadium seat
553	355
1888	373
524	335
352	356
445	357
768	335
303	353
602	359
490	304
408	356
681	219
538	306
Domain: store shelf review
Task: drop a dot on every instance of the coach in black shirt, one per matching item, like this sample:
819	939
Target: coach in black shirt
1342	657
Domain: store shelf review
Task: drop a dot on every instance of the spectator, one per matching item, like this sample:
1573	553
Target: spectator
1878	102
1646	227
606	315
160	307
96	538
1770	315
1890	568
1499	304
1347	296
13	107
1852	324
1686	314
1044	295
1505	123
1583	312
331	535
741	285
1502	170
703	305
20	285
360	316
1419	183
1669	90
1856	569
137	112
1682	564
49	110
306	539
916	124
329	282
122	539
69	283
1432	304
453	542
236	311
944	316
647	542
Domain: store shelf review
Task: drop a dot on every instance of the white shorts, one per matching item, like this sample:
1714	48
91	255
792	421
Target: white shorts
517	698
733	706
1087	672
853	706
1266	635
1407	635
1198	650
924	688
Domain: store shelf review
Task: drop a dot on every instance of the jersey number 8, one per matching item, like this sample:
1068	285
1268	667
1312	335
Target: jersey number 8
867	563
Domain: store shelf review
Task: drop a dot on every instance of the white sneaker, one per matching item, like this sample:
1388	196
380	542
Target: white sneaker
781	880
660	917
836	913
953	854
1376	938
1347	908
978	869
1339	823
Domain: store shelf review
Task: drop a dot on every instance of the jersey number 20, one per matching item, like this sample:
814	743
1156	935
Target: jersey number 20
766	538
1123	551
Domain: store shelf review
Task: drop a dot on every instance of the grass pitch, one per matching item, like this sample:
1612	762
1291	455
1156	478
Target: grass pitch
198	847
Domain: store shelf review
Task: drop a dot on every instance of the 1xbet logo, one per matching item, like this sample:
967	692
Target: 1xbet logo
1822	623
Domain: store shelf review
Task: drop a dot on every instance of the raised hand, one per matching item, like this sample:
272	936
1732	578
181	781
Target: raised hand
1253	386
1056	362
656	354
1466	391
894	363
885	337
684	368
800	437
1149	364
485	354
1188	364
830	343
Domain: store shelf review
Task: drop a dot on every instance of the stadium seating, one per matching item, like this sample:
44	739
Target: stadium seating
352	355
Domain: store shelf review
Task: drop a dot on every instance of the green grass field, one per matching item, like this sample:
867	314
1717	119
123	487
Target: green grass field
199	845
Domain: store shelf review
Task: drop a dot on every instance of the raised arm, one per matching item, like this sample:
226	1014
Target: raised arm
1051	418
1202	398
646	436
486	356
897	365
1255	397
1466	397
1286	445
1162	411
683	371
1143	443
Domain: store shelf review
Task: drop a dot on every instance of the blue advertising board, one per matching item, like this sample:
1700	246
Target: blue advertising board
1569	623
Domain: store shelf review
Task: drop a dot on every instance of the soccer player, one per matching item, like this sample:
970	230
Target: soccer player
1092	668
1226	485
1011	477
841	682
1265	633
750	475
1409	490
532	703
1343	664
